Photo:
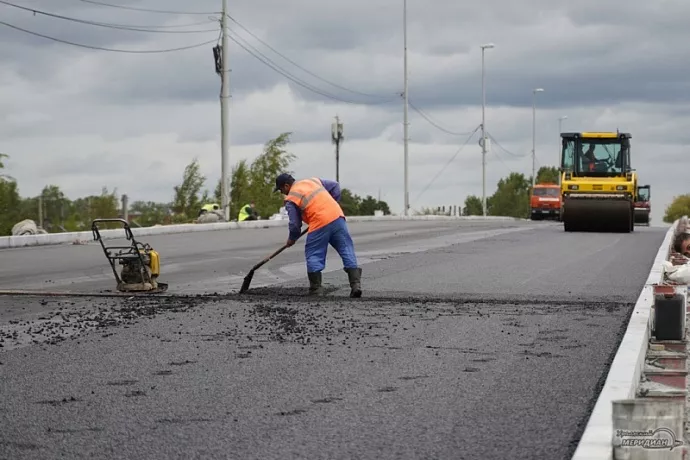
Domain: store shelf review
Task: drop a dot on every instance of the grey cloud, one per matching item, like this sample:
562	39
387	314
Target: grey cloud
100	163
191	77
330	35
510	82
77	30
634	52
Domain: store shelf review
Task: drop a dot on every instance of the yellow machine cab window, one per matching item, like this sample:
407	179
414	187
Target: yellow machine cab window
596	154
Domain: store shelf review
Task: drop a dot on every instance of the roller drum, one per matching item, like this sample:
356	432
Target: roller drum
642	216
597	215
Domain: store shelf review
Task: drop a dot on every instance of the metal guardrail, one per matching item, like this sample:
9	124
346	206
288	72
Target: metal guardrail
624	375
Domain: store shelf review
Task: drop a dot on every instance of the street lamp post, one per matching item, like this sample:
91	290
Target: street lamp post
336	138
406	124
534	133
560	123
483	141
560	130
224	116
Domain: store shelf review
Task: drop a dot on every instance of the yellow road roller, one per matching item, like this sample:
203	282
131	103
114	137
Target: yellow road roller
598	185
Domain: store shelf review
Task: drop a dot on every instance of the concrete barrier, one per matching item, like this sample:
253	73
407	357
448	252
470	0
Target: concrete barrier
626	370
7	242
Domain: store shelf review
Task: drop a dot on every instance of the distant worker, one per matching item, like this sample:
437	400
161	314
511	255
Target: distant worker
248	212
315	201
208	208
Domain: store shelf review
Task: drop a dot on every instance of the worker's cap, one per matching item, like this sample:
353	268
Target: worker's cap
283	179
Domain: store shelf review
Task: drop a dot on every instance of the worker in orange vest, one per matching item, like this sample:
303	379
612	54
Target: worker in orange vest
315	201
591	160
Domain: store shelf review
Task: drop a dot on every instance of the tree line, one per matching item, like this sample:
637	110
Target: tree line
679	207
511	198
249	182
512	195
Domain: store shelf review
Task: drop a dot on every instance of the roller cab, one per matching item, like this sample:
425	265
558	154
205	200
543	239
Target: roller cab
598	185
643	207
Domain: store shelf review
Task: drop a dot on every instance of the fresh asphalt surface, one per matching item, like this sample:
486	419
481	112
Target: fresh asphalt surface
475	340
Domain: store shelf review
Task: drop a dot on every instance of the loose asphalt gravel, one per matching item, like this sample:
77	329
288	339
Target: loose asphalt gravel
473	341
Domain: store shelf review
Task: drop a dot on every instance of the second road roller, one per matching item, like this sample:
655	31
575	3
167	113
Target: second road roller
598	184
643	208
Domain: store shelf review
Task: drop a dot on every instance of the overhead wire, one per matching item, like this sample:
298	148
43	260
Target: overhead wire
147	10
115	50
496	143
110	25
299	66
239	41
448	163
432	123
500	160
268	62
498	157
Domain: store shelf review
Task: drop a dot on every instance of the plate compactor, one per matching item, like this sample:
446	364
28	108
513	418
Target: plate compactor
140	263
598	185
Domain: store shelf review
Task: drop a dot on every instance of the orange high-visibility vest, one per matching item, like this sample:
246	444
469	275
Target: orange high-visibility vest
317	205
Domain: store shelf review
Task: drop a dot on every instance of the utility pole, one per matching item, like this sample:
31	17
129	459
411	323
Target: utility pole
483	141
336	138
125	207
534	133
40	210
405	122
560	130
224	115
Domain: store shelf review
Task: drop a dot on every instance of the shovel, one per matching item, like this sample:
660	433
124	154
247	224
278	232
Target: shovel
248	279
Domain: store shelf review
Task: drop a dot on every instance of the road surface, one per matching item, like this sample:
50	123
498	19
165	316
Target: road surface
475	340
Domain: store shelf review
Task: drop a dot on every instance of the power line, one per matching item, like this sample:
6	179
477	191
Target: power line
448	163
539	165
500	160
145	9
81	45
495	142
300	67
167	26
266	61
434	124
108	25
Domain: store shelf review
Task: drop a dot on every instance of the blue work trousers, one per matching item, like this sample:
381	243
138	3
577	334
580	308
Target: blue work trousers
337	235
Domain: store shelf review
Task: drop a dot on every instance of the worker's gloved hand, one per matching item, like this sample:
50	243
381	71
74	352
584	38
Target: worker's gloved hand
289	243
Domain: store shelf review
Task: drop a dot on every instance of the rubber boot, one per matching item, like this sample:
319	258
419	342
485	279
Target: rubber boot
355	277
315	288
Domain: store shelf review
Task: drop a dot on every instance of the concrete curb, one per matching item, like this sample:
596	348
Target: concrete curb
7	242
626	369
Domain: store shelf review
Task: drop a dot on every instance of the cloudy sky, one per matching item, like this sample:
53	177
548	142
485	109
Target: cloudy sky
86	118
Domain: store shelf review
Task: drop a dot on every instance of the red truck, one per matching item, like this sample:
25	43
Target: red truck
545	202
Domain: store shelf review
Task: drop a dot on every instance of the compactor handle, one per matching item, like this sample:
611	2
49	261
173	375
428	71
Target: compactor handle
124	223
